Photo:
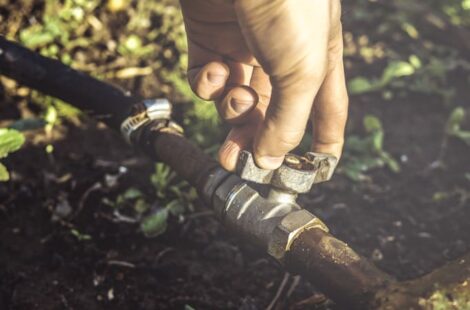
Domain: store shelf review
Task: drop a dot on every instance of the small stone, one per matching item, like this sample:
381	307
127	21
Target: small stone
424	234
377	255
398	224
110	294
62	210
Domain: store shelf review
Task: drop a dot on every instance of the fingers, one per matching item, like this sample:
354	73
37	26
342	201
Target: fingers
207	73
330	112
283	128
238	98
295	58
261	83
226	82
239	138
237	104
208	82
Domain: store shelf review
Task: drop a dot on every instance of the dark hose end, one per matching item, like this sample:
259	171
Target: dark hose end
346	277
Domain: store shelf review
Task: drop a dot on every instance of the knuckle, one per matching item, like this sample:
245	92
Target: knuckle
285	140
228	154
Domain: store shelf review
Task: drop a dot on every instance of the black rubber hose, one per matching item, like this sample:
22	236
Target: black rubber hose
101	100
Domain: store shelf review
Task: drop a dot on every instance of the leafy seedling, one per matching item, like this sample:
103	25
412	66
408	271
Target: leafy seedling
394	70
366	153
454	125
80	236
10	141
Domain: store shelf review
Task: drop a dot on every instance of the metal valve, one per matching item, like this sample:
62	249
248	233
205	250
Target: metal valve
276	220
296	175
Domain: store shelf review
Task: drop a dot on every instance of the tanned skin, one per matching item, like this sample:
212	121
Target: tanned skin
271	66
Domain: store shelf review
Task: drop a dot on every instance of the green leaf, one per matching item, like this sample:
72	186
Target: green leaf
464	136
156	224
377	141
391	163
176	207
4	175
35	36
410	30
80	236
10	140
440	196
372	123
415	61
357	145
132	193
455	120
361	85
454	123
396	69
141	206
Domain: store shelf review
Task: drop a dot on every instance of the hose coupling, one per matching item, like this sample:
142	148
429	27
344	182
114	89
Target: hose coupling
154	112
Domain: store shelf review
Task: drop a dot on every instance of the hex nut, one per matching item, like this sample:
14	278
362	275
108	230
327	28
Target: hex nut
289	228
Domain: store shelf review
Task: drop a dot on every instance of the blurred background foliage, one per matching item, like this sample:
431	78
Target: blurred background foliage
417	49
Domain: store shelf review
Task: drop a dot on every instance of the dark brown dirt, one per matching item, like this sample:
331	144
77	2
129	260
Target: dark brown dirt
393	220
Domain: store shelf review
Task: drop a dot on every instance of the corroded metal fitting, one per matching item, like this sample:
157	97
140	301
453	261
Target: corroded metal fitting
289	228
157	111
325	164
273	223
296	175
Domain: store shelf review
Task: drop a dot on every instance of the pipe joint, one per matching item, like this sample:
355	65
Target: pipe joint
270	221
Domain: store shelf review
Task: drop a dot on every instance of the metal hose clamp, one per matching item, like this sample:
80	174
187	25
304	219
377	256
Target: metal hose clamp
145	112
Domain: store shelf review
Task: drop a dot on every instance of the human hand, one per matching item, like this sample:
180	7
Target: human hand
271	66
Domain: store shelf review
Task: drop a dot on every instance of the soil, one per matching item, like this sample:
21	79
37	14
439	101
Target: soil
409	223
393	220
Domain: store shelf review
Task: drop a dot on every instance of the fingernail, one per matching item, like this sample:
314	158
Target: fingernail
240	105
215	78
269	162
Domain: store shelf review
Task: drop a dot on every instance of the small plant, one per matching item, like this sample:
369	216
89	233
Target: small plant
454	126
176	198
10	141
366	153
394	70
79	235
151	212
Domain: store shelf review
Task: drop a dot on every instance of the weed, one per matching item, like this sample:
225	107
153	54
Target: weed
363	154
10	141
79	235
454	126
